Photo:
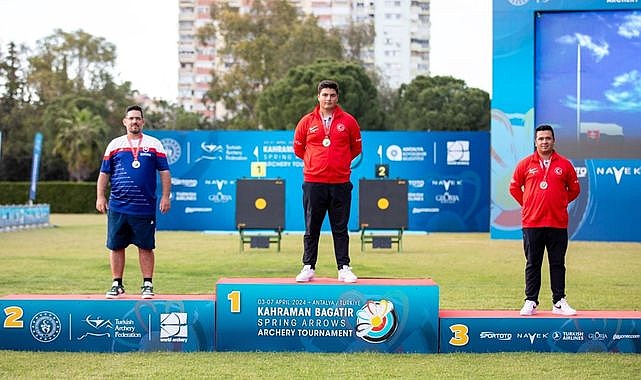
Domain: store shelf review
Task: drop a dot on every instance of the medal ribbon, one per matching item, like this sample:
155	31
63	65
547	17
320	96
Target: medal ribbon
327	123
134	151
546	167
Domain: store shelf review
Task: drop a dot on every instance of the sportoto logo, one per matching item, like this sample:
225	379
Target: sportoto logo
376	321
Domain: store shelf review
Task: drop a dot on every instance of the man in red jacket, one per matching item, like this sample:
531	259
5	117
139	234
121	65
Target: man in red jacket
327	140
544	183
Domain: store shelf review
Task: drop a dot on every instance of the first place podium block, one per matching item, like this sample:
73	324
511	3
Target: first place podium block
324	315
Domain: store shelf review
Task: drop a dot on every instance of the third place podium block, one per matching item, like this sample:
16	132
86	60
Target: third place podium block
324	315
507	331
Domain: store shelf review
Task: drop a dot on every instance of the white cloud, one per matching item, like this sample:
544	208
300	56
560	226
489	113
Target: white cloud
598	50
631	28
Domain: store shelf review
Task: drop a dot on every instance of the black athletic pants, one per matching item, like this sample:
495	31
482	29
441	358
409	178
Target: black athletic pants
535	241
334	200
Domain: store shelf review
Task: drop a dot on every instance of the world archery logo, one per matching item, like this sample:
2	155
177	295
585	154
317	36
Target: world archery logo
376	321
173	327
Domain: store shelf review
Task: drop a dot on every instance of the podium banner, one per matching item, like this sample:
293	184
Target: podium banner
76	323
506	331
324	315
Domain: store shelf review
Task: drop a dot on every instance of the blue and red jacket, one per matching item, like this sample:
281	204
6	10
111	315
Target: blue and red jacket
133	190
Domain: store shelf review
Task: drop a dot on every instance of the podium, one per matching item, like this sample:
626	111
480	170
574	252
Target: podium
325	315
91	323
260	212
506	331
382	212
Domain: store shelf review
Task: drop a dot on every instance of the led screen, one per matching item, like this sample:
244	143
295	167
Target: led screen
588	81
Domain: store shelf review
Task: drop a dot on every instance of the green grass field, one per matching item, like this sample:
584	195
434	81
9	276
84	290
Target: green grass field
472	270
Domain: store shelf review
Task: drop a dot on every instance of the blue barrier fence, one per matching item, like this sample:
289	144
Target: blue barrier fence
23	216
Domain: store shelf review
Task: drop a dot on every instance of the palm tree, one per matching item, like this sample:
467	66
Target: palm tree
80	141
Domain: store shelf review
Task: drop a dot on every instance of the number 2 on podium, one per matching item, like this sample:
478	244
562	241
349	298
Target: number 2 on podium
234	301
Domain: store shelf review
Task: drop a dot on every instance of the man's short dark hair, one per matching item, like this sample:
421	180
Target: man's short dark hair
544	127
135	107
326	83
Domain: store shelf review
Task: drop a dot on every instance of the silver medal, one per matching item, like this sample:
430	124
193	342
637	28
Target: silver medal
135	164
326	142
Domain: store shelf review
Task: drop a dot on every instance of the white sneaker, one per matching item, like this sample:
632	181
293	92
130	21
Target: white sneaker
562	307
147	290
306	274
346	275
529	308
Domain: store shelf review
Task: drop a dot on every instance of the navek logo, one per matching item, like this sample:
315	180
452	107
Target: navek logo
619	172
532	336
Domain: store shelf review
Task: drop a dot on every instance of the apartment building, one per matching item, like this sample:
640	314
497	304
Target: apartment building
400	51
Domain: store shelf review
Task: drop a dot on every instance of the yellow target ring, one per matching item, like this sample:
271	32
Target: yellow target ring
260	203
382	203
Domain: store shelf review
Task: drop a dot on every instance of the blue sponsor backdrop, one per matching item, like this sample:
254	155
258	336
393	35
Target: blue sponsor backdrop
447	173
327	316
107	325
541	51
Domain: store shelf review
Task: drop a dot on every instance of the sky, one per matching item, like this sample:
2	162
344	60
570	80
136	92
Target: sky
145	33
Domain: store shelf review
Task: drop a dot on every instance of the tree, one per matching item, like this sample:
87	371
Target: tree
283	103
13	88
17	142
357	37
440	103
45	91
60	114
80	143
259	48
15	111
171	116
70	63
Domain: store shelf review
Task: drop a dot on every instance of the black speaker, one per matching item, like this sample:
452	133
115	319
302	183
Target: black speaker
260	204
382	204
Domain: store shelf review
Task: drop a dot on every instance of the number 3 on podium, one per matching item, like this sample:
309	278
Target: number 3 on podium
460	335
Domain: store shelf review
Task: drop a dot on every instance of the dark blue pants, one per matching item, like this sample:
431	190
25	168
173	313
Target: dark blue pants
334	200
535	241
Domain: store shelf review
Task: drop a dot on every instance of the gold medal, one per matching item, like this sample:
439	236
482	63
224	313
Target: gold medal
135	164
543	185
326	142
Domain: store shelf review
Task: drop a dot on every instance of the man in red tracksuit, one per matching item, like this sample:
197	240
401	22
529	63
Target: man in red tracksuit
327	140
544	183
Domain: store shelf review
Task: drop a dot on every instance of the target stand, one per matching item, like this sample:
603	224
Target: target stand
260	212
382	212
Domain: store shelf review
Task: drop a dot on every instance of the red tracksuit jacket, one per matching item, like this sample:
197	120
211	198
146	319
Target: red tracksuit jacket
329	164
544	207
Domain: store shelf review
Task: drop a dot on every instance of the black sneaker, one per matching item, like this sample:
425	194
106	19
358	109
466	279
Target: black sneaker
115	291
147	290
